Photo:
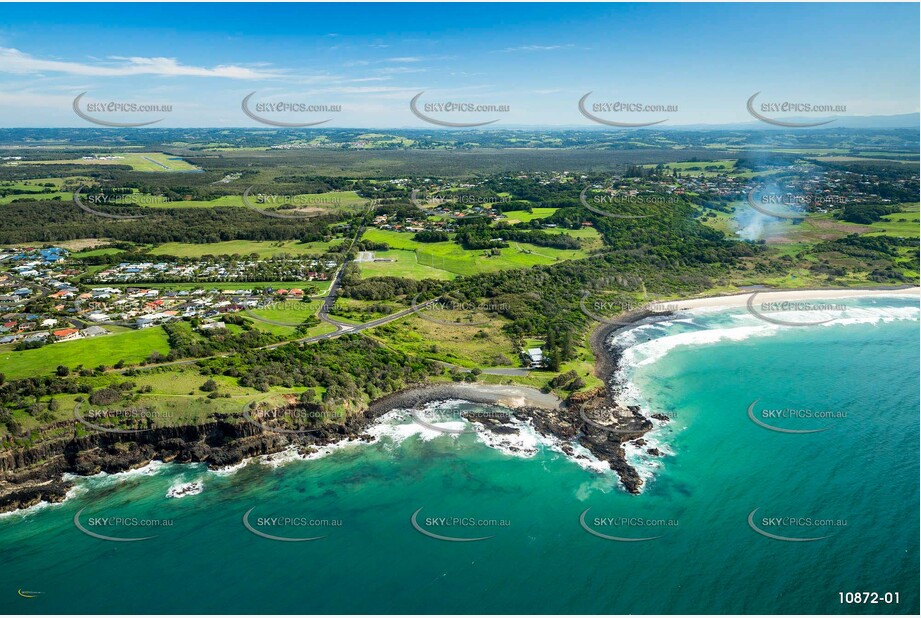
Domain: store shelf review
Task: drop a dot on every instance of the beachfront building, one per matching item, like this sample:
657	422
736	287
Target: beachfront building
534	357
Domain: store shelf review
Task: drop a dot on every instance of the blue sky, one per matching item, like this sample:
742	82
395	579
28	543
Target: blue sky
371	59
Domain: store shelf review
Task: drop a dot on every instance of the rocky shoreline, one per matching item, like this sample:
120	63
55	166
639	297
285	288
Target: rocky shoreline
595	420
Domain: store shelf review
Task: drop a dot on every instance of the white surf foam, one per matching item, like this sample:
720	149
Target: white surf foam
182	490
648	343
229	470
105	478
35	508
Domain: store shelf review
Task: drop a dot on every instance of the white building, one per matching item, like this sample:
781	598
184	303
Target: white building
534	357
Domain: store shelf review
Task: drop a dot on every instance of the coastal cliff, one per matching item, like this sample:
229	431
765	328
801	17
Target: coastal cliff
593	419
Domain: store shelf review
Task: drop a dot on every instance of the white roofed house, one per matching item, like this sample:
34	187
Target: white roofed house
534	357
93	331
148	320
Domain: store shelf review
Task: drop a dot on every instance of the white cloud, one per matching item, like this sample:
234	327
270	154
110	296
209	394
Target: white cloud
400	70
14	61
527	48
378	90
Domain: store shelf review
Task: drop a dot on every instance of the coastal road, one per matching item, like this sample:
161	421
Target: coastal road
344	329
323	314
330	298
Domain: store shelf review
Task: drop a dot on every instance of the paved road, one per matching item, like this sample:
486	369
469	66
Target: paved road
343	329
43	291
328	301
330	298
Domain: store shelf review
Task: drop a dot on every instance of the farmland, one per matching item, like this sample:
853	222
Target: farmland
903	224
453	258
132	347
190	217
524	216
264	249
401	263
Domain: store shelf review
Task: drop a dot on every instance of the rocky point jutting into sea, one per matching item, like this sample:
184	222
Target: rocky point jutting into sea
593	419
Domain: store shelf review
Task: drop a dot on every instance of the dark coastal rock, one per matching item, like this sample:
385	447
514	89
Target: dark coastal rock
29	496
584	396
654	451
594	419
498	424
605	442
660	417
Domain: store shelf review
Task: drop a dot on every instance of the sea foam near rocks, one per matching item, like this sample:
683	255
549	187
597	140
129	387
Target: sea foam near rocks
182	490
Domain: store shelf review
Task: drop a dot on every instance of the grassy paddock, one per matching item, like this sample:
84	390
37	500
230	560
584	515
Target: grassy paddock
404	264
132	347
265	249
454	258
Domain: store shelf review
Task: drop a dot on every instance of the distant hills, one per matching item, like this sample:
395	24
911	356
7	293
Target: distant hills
897	121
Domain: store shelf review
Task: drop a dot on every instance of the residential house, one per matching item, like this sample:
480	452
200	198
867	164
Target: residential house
66	334
534	357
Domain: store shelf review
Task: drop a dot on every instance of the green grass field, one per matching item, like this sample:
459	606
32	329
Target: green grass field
904	224
453	258
95	252
25	189
265	249
138	161
174	394
45	197
701	168
483	345
589	236
130	346
288	332
290	312
404	265
33	184
722	221
524	216
823	226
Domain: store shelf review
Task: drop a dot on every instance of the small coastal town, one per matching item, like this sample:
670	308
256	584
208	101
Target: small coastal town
41	279
455	309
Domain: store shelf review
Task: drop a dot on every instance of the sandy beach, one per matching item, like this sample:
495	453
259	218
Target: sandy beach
504	395
739	300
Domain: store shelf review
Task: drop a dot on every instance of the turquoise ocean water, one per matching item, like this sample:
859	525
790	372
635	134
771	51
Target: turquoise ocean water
856	481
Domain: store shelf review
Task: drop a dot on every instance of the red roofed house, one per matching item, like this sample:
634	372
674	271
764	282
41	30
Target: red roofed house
66	334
